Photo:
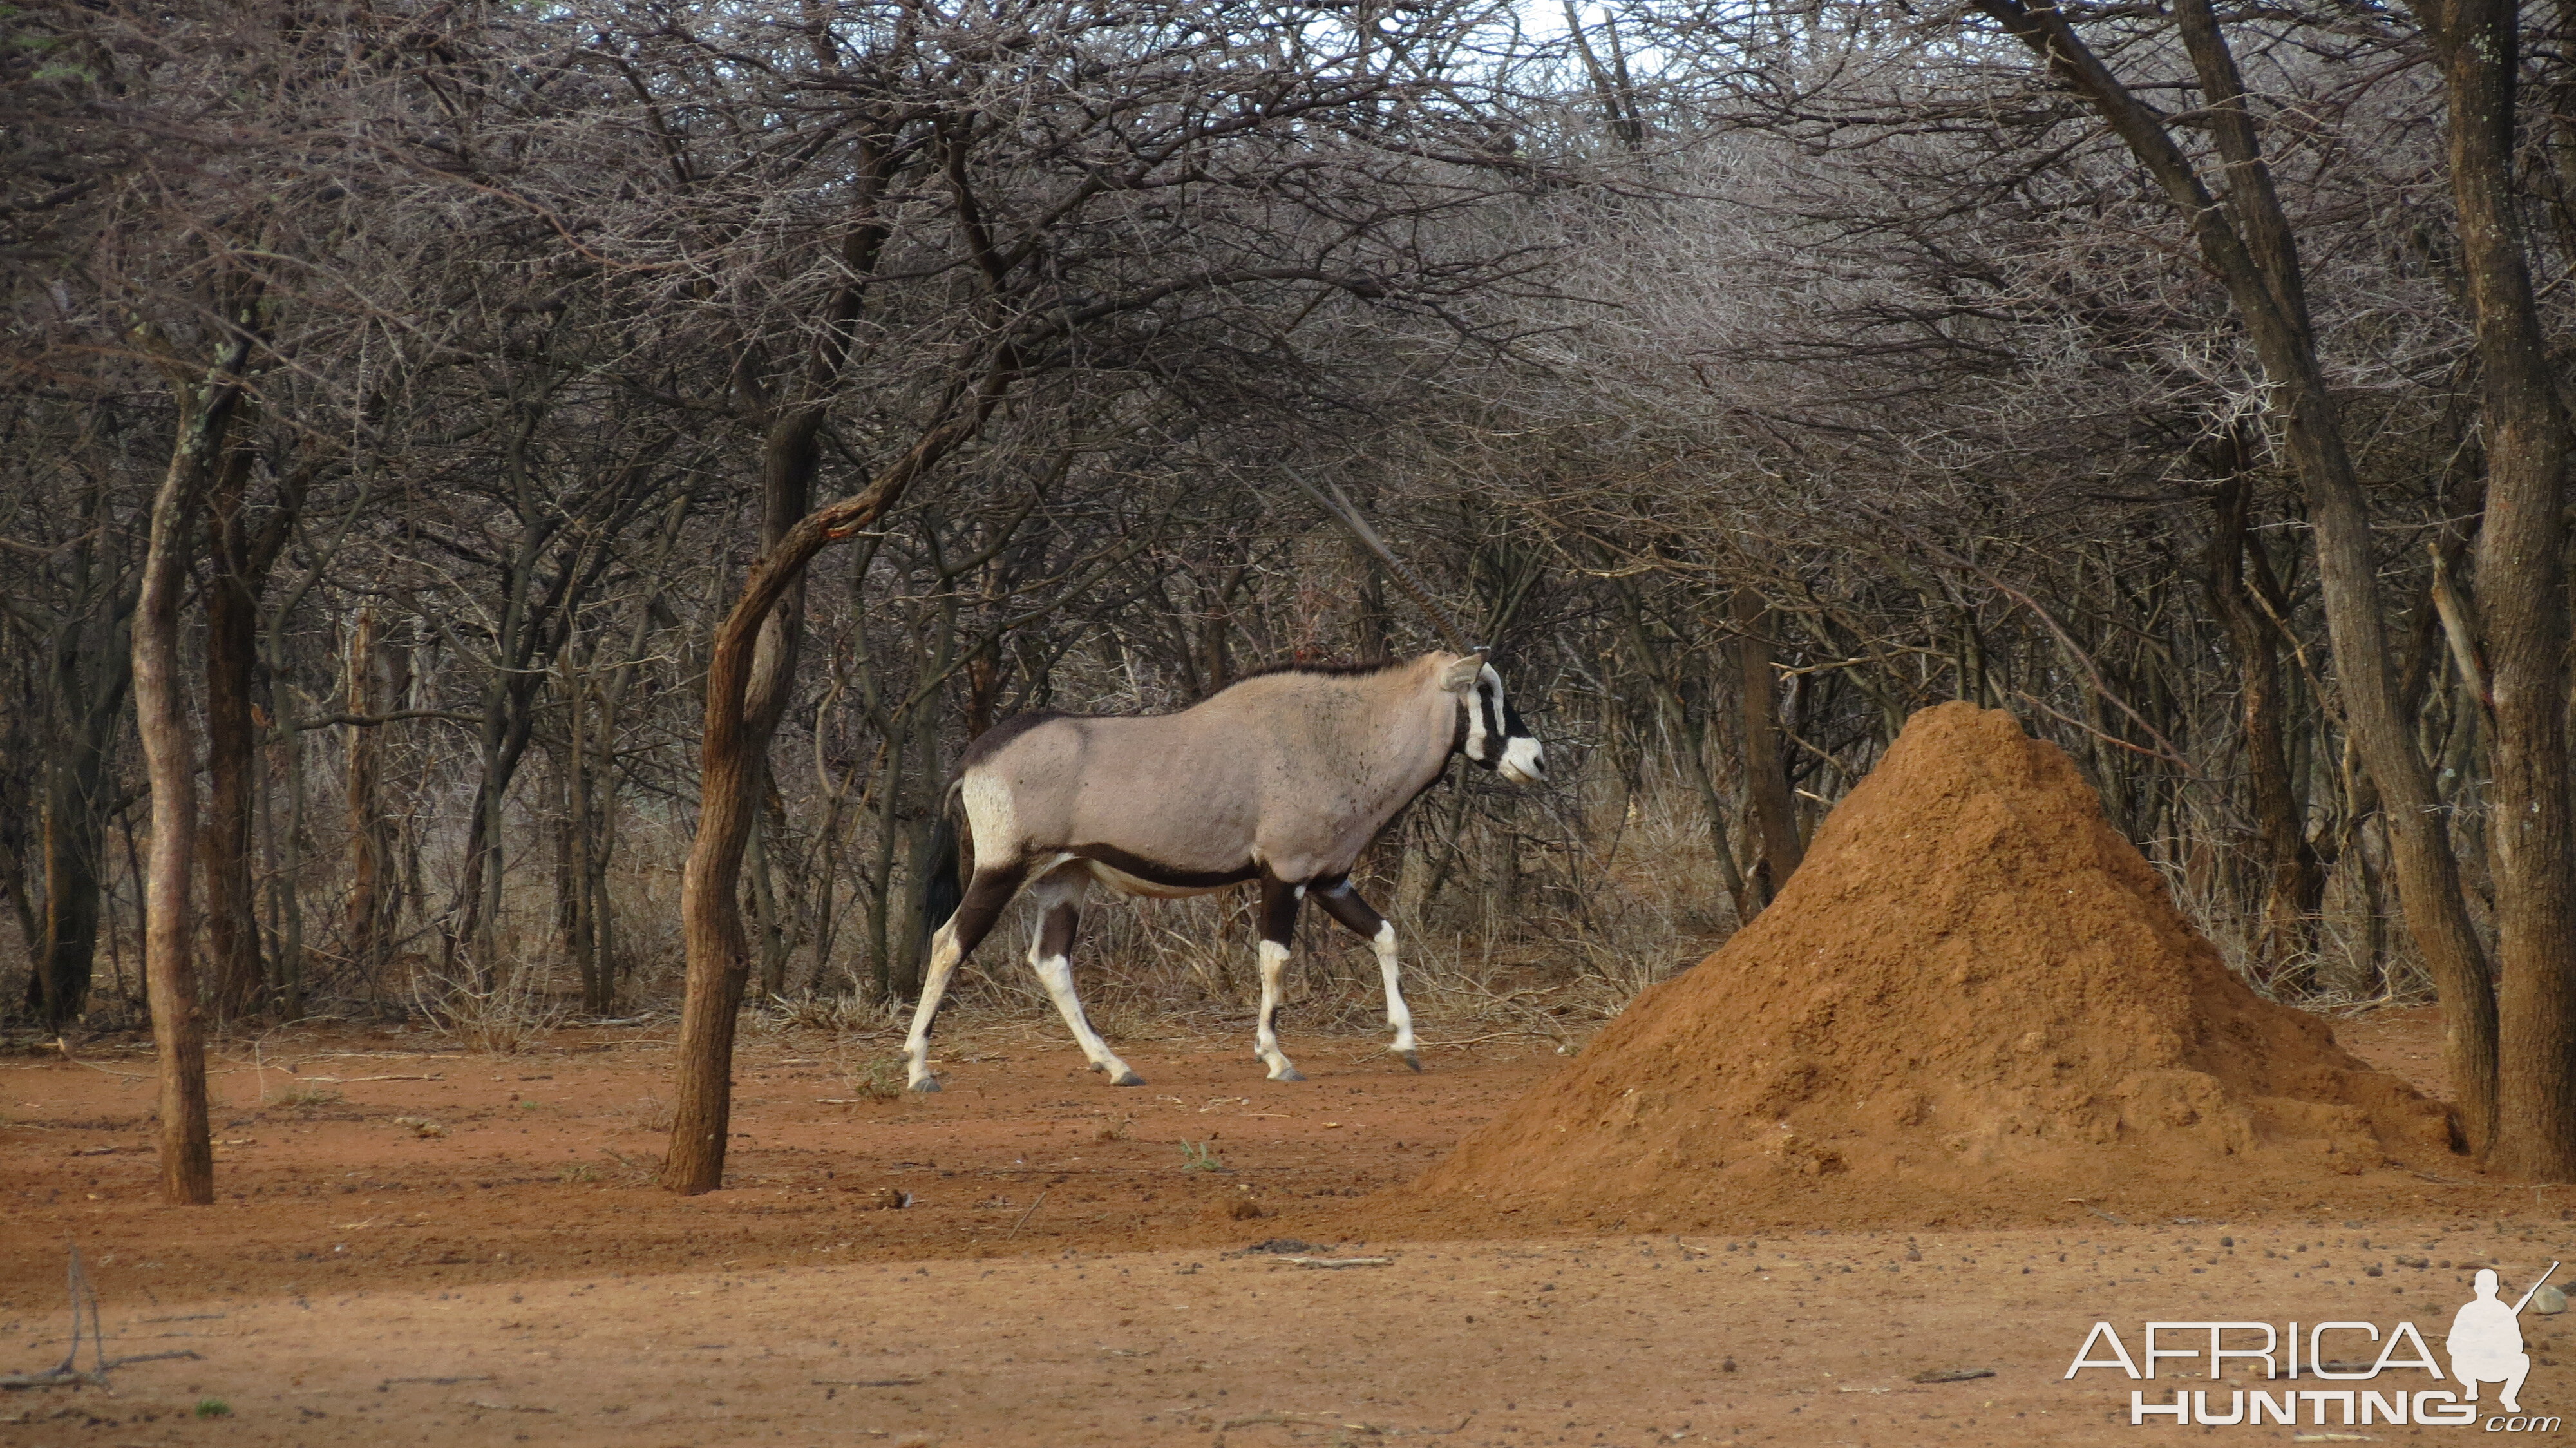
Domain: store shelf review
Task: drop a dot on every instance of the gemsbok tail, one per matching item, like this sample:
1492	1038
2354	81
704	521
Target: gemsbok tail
952	867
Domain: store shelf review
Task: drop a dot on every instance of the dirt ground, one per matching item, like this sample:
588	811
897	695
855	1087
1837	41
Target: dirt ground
419	1245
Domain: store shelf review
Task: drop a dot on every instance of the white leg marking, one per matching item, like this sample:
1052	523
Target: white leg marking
1055	972
934	984
1265	1040
1398	1014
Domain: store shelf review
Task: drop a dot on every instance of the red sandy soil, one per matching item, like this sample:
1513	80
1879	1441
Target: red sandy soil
362	1284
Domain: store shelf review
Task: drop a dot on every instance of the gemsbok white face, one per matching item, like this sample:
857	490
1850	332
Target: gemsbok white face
1496	737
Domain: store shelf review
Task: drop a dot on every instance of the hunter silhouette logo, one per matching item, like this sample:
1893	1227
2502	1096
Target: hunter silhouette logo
2484	1346
2486	1340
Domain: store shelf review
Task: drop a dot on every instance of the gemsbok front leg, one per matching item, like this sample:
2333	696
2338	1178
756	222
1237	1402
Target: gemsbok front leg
1059	901
1279	901
986	897
1345	905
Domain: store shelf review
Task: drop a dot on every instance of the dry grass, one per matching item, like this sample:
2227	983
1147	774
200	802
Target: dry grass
514	1012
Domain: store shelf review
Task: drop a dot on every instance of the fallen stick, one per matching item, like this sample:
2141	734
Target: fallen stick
503	1407
1024	1216
53	1378
1296	1419
64	1045
2447	1182
867	1382
1476	1040
1338	1261
156	1357
353	1080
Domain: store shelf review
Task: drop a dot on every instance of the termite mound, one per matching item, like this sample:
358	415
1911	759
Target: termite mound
1974	1003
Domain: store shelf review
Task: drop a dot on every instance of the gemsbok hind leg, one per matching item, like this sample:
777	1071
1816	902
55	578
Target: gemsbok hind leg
1279	901
1058	894
986	896
1345	905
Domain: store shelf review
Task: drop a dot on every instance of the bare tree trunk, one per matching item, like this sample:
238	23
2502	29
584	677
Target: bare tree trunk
239	974
2293	874
1692	746
2522	590
379	678
91	660
169	947
1766	782
286	886
74	840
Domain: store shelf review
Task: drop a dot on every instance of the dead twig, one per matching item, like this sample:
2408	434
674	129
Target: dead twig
1286	1420
1952	1375
867	1382
157	1357
1031	1212
64	1045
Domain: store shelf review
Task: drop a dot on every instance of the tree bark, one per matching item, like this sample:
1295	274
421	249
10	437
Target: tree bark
170	970
2294	878
92	667
379	677
1693	749
2522	592
1766	783
240	974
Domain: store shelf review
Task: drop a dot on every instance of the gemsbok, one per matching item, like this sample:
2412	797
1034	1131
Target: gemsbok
1282	777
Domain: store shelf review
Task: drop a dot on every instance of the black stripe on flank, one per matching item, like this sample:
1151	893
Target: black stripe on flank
1159	874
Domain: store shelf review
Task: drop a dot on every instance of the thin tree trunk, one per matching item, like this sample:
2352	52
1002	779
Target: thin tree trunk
287	889
2293	874
1766	782
92	667
1692	747
170	968
239	981
379	680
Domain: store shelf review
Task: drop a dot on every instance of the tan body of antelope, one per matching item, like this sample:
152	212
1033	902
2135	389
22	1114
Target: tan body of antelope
1281	778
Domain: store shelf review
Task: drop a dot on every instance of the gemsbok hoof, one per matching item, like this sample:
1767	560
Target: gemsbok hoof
1127	1078
1412	1059
1288	1073
925	1085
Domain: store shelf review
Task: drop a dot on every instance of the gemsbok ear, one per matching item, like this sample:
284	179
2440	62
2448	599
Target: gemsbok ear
1459	677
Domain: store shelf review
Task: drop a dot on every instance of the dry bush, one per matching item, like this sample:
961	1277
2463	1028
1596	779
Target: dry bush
513	1013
